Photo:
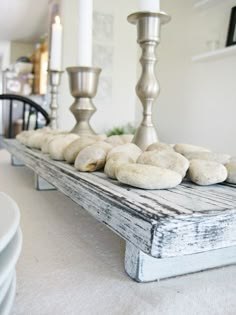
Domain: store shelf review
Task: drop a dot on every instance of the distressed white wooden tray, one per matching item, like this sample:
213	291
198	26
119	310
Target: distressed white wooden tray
167	232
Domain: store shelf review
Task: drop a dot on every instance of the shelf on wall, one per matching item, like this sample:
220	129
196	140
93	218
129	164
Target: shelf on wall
204	4
215	54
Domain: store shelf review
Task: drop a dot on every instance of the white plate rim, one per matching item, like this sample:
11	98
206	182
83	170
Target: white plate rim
7	303
6	285
13	252
5	239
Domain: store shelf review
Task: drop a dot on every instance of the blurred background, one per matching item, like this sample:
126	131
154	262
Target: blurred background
195	69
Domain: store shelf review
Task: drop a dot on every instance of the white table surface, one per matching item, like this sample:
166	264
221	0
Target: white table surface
71	264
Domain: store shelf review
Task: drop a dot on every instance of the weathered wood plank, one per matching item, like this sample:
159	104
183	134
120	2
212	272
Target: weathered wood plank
88	194
194	234
182	221
143	268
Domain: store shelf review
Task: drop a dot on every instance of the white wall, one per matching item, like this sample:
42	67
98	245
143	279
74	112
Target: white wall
19	49
197	103
121	108
5	48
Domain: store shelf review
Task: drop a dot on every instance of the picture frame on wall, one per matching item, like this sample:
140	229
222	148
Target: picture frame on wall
231	38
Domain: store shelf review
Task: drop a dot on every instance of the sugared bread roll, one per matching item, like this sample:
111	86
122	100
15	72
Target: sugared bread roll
147	176
57	146
130	148
116	160
93	157
76	146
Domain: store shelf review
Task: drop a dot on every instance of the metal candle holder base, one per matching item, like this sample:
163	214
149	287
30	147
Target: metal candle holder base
147	89
83	86
54	81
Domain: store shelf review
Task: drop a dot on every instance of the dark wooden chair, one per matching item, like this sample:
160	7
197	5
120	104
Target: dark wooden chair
28	106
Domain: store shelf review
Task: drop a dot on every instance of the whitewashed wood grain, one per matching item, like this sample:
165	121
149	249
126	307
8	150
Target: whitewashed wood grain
162	223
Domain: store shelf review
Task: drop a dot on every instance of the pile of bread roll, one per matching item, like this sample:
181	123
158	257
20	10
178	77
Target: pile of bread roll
160	166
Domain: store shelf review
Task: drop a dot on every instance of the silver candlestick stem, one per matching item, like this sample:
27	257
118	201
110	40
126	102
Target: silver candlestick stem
54	81
83	86
147	89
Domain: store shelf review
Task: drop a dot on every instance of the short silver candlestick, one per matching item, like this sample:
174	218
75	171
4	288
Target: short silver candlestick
147	89
83	83
54	81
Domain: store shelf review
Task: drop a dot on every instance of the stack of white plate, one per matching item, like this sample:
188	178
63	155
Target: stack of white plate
10	248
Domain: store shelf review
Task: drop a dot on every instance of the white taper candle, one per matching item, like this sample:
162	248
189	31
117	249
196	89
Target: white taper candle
85	29
56	45
149	5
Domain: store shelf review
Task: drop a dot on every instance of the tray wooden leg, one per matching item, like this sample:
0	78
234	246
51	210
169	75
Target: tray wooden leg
16	162
41	184
144	268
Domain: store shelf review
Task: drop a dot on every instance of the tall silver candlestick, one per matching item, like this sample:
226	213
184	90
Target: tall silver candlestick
147	89
83	86
54	81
